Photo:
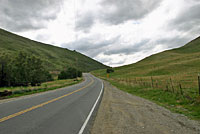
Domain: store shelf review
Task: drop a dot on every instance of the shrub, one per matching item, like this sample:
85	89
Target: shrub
110	70
22	70
80	74
70	73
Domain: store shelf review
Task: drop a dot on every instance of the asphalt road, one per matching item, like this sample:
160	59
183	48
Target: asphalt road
61	111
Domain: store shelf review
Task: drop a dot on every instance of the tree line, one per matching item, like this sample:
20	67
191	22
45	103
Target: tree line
69	73
22	70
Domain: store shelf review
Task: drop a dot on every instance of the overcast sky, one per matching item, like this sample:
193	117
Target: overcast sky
114	32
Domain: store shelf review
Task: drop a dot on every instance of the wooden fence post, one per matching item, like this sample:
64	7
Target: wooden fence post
199	83
152	81
167	87
172	84
181	89
156	83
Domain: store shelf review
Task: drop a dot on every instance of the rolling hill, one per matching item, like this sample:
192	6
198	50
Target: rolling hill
181	60
185	59
171	68
169	78
55	58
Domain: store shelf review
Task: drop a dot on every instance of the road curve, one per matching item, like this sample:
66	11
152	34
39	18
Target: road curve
62	111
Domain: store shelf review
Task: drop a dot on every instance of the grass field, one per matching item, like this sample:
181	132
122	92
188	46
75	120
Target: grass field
20	91
169	78
55	58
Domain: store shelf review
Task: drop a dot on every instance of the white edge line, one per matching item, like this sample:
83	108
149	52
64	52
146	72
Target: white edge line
86	121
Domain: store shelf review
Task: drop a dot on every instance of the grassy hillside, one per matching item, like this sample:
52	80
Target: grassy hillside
180	61
55	58
169	78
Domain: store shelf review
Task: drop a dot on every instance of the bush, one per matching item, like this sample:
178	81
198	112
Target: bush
70	73
80	74
5	70
109	70
22	70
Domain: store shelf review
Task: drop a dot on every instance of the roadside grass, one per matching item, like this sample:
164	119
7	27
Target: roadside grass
186	81
52	85
174	102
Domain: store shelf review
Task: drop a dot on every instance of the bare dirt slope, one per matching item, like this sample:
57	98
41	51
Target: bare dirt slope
122	113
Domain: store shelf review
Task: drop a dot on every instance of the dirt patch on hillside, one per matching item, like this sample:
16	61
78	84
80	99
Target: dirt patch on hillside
122	113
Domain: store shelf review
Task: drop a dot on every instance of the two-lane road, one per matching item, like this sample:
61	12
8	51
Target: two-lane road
62	111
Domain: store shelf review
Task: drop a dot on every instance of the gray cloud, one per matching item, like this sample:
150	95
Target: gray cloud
23	15
91	46
43	37
105	60
174	42
116	63
85	22
115	12
130	49
119	11
188	20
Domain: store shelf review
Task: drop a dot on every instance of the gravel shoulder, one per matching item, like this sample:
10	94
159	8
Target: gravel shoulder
123	113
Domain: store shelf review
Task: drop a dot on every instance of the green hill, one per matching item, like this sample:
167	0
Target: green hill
54	58
179	61
185	59
169	78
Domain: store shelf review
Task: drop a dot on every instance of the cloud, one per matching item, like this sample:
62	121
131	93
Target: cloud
188	20
43	37
130	49
114	12
116	63
115	32
119	11
85	22
173	42
23	15
92	46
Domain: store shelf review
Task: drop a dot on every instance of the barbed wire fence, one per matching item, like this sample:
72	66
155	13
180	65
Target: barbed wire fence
186	88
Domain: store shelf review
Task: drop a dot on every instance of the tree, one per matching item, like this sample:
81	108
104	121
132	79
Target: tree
70	73
62	75
5	70
79	74
110	70
37	72
22	70
29	69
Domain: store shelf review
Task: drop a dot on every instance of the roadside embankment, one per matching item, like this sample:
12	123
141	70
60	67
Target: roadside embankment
123	113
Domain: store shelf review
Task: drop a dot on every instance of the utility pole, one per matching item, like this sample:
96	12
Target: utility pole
199	83
76	69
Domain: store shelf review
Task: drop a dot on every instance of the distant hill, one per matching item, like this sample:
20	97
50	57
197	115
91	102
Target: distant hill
55	58
185	59
169	78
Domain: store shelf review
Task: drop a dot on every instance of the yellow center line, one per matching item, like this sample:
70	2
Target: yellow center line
42	104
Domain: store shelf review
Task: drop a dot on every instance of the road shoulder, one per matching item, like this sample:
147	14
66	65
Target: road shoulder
123	113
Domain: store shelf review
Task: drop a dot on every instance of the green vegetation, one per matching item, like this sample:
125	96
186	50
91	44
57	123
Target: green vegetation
109	70
169	78
22	70
26	66
46	86
70	73
25	74
54	58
